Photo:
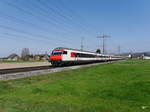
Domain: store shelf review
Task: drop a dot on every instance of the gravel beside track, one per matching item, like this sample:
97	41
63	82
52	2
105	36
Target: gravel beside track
43	72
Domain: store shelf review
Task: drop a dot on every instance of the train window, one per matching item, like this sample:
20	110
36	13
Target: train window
84	55
77	55
64	52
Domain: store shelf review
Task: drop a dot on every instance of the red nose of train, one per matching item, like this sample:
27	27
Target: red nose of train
55	57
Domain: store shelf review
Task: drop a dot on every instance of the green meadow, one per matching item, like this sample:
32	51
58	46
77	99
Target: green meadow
117	87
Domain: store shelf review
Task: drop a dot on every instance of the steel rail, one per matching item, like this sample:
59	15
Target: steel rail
35	68
23	69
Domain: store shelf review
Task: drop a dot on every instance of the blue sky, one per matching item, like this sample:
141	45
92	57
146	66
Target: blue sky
42	25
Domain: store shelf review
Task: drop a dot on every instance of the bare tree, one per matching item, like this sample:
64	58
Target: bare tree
25	53
98	51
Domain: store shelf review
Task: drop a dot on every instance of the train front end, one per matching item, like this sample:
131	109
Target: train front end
56	57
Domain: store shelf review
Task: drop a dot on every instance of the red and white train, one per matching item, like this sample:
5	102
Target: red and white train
66	56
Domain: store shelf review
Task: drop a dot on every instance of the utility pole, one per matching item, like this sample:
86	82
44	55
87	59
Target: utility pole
104	43
119	49
82	38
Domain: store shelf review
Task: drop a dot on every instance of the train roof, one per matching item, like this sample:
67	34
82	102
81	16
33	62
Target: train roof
74	49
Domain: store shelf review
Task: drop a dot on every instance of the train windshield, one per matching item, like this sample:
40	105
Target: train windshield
57	52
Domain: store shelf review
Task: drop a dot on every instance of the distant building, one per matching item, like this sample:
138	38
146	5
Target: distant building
41	57
36	57
45	57
29	57
136	55
12	57
146	56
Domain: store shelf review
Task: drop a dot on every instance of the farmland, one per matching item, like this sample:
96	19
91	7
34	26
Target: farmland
117	87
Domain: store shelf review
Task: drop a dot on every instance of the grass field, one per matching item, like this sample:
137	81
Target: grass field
118	87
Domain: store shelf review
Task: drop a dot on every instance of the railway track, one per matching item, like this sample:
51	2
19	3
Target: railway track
23	69
15	73
36	68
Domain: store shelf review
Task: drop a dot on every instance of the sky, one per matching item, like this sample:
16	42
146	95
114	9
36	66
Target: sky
42	25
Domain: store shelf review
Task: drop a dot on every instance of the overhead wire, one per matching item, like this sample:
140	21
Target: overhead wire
69	22
27	12
29	33
21	21
68	18
53	13
32	24
12	36
73	15
32	14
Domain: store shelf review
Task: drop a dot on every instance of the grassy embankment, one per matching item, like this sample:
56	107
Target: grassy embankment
118	87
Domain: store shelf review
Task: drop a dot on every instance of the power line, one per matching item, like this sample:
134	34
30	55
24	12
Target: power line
65	17
29	38
42	12
21	21
82	21
29	33
29	12
14	36
104	43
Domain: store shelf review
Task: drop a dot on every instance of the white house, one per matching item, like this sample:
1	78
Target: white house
146	57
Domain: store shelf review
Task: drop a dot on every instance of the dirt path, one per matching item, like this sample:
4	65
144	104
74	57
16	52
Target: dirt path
18	65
